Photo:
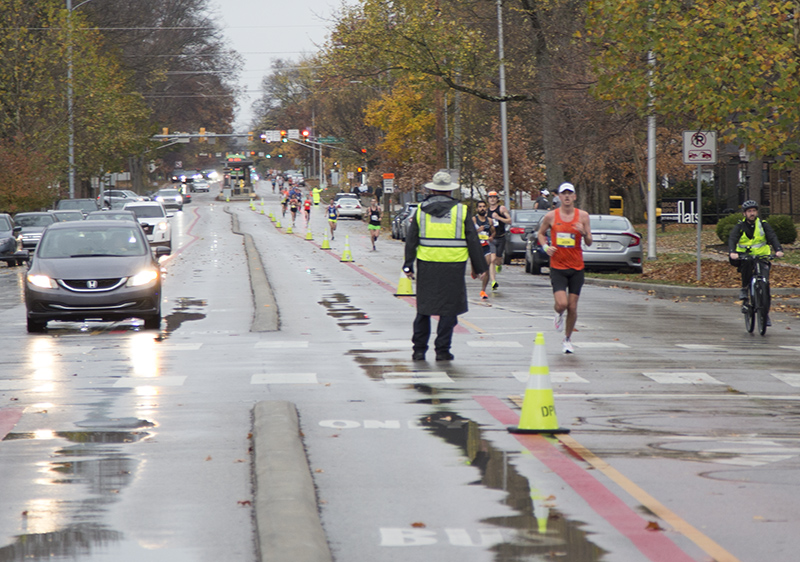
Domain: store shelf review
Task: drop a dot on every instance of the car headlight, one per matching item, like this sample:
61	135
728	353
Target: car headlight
163	225
142	278
42	281
159	198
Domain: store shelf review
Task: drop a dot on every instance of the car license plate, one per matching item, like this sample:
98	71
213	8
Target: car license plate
602	245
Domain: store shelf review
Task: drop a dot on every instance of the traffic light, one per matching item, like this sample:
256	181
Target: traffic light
363	151
263	137
269	155
283	136
360	169
203	134
165	131
305	134
250	136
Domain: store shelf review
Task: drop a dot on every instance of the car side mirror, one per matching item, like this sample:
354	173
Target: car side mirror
162	251
170	215
17	229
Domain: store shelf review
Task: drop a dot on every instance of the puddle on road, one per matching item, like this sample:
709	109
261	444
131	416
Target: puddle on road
339	307
62	528
539	530
185	311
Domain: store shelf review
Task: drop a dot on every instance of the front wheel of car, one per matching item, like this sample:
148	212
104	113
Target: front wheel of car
152	322
36	326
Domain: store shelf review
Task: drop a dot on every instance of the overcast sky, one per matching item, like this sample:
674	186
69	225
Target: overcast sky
265	30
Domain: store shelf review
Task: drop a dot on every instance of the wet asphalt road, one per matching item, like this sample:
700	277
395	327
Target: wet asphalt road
126	444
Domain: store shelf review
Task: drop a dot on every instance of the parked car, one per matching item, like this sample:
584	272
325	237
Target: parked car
523	222
116	198
346	195
93	270
11	250
83	205
170	198
349	207
32	225
615	246
111	214
66	216
399	217
153	218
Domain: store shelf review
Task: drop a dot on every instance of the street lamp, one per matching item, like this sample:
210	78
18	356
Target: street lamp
503	111
70	113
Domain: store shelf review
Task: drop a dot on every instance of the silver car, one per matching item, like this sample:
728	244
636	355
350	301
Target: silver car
524	222
615	244
170	198
349	207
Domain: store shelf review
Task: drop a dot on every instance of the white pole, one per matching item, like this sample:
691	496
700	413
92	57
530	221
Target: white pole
70	117
699	216
503	112
651	168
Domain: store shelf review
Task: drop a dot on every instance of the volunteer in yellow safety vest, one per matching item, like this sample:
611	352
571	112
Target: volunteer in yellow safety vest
754	237
441	239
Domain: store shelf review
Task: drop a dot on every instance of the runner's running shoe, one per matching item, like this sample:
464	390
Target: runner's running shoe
495	285
566	345
558	322
484	296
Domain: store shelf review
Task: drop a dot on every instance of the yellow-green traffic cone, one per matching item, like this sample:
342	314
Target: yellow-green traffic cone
278	223
326	245
538	410
289	229
346	255
404	287
309	236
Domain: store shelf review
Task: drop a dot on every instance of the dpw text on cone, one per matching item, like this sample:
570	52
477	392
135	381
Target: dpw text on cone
538	410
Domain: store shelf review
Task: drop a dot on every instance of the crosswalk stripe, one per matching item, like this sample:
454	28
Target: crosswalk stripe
792	379
135	382
489	343
600	345
555	376
681	377
281	344
179	346
700	347
417	377
387	344
284	378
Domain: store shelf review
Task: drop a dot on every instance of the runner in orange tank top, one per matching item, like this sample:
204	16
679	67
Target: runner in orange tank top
568	227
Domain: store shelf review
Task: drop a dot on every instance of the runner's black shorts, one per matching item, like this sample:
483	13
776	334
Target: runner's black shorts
563	279
499	246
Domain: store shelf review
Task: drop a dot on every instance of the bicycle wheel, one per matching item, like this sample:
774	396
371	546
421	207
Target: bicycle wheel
749	311
761	305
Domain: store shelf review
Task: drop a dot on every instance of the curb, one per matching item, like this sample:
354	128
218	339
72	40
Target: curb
288	526
671	291
265	314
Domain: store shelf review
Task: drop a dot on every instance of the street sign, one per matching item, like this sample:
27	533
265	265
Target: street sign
388	185
272	136
329	140
699	147
293	134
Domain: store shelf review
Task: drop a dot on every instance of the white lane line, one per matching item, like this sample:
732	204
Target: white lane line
792	347
489	343
600	345
555	376
792	379
281	344
681	377
417	377
387	344
284	378
700	347
135	382
179	346
71	350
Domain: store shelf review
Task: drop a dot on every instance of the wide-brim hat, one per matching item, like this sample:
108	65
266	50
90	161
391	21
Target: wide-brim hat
441	182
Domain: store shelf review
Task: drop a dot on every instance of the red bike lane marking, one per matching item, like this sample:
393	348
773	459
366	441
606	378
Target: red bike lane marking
8	419
653	544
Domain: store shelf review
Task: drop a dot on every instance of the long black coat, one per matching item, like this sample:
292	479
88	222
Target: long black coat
441	289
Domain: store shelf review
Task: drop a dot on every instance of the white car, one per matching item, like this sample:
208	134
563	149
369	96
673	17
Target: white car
154	220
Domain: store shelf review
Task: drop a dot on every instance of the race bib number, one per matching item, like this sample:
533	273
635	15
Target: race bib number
565	239
374	217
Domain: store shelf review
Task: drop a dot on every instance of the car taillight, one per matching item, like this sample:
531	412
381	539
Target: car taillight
635	240
517	230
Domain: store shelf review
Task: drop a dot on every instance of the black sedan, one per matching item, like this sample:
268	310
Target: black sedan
93	270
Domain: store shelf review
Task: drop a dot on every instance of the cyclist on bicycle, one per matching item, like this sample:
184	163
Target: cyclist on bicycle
754	237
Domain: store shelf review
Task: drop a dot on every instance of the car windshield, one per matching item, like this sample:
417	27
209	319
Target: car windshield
34	220
4	223
146	211
618	224
92	242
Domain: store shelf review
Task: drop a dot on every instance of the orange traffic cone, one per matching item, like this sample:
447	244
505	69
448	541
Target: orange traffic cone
538	410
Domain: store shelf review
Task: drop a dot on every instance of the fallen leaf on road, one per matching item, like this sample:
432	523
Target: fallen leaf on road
418	525
245	502
208	458
653	526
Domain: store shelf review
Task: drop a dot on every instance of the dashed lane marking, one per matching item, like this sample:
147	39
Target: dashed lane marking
281	345
489	343
600	345
792	379
681	377
136	382
700	347
421	377
284	378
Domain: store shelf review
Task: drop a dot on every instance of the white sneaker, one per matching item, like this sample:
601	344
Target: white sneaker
558	322
566	345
